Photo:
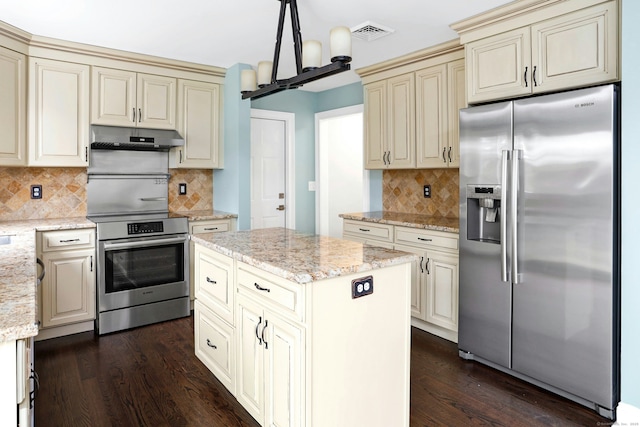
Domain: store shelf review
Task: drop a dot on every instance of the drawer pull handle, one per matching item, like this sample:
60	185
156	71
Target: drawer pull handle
210	344
366	230
260	288
211	280
425	240
69	240
211	229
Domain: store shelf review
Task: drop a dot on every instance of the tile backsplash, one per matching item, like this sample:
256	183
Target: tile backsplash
64	192
199	190
402	191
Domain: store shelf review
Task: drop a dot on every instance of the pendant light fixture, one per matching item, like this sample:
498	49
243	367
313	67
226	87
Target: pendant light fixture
308	59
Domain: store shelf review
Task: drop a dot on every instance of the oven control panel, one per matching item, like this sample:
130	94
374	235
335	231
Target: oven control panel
145	227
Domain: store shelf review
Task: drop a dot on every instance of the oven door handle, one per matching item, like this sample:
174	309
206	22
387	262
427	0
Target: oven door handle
108	246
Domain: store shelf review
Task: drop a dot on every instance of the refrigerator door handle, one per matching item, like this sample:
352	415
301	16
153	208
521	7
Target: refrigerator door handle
504	269
513	215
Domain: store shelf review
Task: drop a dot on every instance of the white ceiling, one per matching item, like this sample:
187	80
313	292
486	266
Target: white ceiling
224	33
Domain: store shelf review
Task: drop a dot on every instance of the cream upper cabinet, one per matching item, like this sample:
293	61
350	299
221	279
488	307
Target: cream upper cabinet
58	113
13	110
439	96
126	98
570	50
389	131
457	98
199	123
411	109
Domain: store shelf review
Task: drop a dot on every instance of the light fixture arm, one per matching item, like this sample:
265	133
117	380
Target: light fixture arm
297	38
337	65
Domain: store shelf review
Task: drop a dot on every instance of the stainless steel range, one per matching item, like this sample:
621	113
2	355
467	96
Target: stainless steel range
143	251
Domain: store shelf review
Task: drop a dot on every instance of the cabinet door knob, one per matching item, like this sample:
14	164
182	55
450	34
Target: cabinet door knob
210	344
535	83
139	115
427	266
444	151
134	115
526	84
211	281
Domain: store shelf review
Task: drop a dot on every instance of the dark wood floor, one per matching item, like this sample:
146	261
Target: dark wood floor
150	376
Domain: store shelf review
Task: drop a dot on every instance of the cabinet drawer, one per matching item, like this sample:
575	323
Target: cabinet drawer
369	230
210	227
67	239
279	293
424	238
213	277
214	345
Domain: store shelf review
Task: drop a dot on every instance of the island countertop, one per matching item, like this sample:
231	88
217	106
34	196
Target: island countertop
300	257
426	222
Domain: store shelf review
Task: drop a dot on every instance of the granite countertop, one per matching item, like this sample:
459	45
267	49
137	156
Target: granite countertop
18	293
205	214
300	257
426	222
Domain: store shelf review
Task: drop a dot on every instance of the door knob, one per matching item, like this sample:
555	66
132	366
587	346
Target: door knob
280	208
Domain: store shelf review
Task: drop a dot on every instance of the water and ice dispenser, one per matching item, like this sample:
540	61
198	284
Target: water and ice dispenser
484	213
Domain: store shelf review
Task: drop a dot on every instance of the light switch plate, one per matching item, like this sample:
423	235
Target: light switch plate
182	188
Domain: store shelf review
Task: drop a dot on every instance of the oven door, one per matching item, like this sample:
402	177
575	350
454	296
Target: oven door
142	270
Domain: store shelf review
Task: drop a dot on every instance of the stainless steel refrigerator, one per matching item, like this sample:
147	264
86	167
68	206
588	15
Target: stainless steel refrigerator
539	242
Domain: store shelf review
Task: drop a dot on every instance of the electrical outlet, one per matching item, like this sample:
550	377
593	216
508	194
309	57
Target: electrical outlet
361	287
427	191
36	191
182	188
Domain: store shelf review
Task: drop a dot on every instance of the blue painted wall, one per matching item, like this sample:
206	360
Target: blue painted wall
231	185
630	204
231	188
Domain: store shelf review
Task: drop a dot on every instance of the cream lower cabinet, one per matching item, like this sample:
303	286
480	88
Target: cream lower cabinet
58	113
13	120
436	287
573	49
302	351
214	312
127	98
434	277
368	233
205	226
270	348
199	123
68	289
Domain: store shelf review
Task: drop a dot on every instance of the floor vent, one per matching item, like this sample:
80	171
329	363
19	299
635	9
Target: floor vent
369	31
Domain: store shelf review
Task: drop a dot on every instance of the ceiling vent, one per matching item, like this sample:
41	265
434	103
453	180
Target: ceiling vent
369	31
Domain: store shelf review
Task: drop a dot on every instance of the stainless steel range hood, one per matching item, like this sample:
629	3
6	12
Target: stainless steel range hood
130	138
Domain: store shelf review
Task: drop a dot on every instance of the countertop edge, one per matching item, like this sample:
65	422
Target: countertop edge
431	223
308	277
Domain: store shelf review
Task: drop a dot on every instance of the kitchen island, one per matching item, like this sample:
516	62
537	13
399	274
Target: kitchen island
305	330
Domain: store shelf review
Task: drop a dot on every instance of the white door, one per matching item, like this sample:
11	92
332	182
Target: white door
342	182
271	146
